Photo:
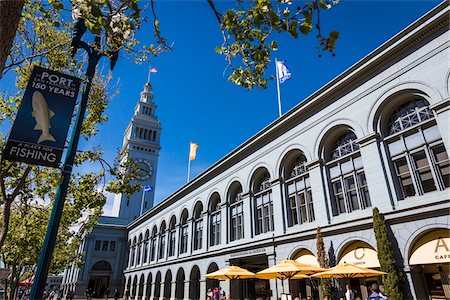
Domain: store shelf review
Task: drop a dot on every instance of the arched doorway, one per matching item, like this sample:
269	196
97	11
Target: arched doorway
429	260
179	287
305	287
361	254
212	283
167	284
128	286
194	283
141	287
157	286
99	277
134	287
148	290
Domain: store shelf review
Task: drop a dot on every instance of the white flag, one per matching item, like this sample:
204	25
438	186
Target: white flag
283	71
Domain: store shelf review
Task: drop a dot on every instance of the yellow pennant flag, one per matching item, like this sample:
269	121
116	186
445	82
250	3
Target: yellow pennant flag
193	151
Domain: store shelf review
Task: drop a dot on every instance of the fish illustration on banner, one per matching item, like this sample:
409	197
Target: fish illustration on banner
39	132
42	114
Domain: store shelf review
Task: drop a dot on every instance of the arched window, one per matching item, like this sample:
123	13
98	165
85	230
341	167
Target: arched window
146	244
162	240
172	233
133	252
214	220
419	158
236	211
139	245
129	254
263	202
153	243
101	266
348	181
298	189
183	232
198	225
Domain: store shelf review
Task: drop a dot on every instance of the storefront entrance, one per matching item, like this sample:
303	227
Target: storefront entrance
305	287
429	261
99	277
251	288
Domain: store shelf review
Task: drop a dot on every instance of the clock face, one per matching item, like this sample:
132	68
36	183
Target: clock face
145	169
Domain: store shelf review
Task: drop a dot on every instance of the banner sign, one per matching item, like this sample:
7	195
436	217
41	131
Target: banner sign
39	132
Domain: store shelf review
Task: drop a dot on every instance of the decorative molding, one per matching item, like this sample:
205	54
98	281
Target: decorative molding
368	139
441	106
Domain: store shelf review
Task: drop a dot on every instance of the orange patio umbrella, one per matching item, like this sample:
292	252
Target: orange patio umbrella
286	269
230	273
347	270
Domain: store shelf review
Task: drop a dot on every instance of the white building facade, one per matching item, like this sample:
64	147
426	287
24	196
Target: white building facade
375	136
105	249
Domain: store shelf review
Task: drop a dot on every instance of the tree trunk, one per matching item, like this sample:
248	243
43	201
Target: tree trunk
5	224
10	14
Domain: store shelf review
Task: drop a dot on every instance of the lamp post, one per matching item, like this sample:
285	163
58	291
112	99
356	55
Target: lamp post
46	254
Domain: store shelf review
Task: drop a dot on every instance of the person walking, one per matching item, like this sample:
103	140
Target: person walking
216	293
349	294
116	294
126	294
375	295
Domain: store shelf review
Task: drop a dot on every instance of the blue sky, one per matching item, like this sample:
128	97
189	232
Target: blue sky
196	102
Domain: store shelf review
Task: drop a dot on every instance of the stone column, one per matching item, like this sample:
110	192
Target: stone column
186	290
276	289
205	232
202	289
161	290
442	110
224	224
247	213
152	292
225	285
278	213
190	244
172	289
376	173
322	211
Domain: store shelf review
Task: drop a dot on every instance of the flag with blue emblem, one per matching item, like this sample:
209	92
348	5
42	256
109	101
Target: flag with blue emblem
148	188
283	71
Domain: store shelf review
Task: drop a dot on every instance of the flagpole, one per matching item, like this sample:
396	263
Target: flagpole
189	162
278	87
149	69
142	200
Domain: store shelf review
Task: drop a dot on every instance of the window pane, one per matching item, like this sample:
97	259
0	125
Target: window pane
424	172
97	245
311	213
414	140
339	197
346	167
432	134
364	191
396	147
105	246
352	196
443	165
112	246
293	209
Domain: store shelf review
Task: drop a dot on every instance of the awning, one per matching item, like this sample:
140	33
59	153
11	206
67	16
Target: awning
432	248
360	254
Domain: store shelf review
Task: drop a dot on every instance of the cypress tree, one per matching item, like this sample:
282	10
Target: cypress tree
393	280
325	283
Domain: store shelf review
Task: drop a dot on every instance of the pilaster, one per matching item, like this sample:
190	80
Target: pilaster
322	210
374	169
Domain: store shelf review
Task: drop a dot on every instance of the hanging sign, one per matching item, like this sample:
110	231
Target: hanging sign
40	129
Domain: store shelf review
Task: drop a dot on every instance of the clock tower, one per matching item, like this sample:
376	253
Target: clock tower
141	143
